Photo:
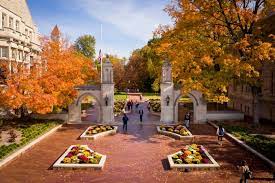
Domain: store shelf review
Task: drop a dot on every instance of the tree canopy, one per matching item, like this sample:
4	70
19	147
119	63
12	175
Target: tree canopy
215	42
50	81
86	45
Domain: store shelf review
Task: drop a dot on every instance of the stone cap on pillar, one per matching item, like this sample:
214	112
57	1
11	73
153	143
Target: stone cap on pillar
166	72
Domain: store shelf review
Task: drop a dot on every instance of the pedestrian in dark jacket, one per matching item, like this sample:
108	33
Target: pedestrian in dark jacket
125	121
140	114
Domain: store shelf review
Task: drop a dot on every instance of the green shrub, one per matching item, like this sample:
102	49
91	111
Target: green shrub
264	145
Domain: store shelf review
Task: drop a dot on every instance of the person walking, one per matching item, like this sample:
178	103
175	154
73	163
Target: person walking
149	106
128	105
140	115
140	97
125	121
220	133
187	119
245	172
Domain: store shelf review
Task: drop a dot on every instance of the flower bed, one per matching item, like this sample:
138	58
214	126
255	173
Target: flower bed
93	132
192	156
176	131
155	105
119	106
80	156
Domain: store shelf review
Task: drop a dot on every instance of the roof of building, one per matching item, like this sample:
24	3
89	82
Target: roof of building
20	8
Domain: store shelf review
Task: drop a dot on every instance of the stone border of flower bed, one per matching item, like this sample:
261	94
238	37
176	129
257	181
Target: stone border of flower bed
248	148
22	150
101	134
174	135
214	164
59	165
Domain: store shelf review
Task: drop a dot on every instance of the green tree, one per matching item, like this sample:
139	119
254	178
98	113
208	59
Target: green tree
86	45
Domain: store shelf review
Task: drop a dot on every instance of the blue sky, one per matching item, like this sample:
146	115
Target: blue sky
126	24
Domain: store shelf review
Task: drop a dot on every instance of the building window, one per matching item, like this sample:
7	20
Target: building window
11	22
4	19
4	52
30	35
14	53
20	55
246	88
17	25
26	32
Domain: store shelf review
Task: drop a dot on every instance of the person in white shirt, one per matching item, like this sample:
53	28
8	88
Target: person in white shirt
220	133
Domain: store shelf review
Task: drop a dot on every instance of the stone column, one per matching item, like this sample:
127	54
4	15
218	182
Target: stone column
167	94
107	93
74	113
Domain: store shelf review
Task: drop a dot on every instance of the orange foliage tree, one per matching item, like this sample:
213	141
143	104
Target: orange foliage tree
215	42
50	81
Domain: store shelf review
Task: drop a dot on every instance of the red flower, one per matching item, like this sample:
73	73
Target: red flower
69	155
204	160
83	158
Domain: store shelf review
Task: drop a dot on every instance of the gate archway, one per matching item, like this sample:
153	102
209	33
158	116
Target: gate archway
170	96
103	94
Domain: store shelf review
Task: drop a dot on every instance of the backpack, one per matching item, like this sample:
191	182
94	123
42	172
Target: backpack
247	173
221	131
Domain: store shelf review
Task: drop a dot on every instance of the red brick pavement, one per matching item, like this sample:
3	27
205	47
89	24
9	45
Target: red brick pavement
140	155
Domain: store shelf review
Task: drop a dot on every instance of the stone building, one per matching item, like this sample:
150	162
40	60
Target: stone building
241	95
19	40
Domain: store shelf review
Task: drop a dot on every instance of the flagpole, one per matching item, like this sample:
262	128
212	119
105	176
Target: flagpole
101	60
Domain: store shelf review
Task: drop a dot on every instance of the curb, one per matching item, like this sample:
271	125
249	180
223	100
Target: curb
23	149
248	148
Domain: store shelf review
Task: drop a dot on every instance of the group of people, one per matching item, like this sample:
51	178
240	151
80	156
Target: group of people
125	118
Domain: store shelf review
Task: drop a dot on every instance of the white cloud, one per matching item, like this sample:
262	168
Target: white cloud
131	19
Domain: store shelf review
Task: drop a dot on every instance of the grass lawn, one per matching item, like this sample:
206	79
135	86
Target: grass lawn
120	96
149	96
29	131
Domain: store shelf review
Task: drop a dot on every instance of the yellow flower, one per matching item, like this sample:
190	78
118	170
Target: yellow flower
67	160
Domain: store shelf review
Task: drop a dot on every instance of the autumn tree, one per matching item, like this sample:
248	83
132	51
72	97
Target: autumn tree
143	69
214	43
119	71
50	81
86	45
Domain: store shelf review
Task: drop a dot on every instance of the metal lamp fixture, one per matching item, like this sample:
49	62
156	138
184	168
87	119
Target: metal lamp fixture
167	100
106	100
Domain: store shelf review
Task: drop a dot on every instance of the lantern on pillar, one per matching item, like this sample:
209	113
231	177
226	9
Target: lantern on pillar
167	100
106	100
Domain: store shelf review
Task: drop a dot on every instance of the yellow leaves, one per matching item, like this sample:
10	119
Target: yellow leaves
207	60
265	51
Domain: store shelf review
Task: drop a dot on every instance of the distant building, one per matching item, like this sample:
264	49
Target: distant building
241	95
19	40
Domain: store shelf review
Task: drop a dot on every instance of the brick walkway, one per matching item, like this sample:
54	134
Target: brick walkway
140	155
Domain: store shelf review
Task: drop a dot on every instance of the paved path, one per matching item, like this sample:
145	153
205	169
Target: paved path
140	155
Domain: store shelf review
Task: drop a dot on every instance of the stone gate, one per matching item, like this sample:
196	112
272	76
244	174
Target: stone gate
170	96
103	94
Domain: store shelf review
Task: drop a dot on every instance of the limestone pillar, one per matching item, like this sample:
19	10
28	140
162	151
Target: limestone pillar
74	113
107	93
167	94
